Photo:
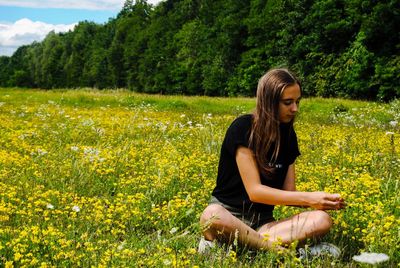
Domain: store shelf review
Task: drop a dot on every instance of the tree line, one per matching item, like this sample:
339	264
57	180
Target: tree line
339	48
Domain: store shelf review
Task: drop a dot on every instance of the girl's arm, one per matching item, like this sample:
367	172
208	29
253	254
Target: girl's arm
267	195
290	180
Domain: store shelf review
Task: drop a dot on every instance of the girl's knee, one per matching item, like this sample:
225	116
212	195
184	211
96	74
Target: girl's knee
211	214
214	220
216	216
322	221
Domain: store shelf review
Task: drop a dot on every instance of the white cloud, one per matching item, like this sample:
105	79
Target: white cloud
153	2
24	32
82	4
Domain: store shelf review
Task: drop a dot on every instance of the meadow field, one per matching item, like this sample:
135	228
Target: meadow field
118	179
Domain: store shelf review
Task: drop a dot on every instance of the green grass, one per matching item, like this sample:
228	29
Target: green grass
141	169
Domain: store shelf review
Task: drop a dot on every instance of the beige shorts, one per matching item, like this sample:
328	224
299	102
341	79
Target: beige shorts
253	219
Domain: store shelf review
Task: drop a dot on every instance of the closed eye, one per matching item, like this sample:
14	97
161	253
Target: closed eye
290	102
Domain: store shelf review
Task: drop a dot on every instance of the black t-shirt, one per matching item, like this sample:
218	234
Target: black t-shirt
230	189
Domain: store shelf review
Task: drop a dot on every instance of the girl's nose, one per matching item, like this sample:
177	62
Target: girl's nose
294	107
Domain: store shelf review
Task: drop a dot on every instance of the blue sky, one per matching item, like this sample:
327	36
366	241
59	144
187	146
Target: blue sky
55	15
25	21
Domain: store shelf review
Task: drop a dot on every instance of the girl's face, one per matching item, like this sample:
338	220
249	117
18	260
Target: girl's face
289	103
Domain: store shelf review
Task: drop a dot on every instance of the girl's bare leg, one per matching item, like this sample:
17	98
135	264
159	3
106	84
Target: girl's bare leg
219	223
309	224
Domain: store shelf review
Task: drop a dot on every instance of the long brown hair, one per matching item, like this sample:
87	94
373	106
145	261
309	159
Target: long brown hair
265	132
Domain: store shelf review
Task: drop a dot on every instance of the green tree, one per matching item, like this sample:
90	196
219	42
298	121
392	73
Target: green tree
380	26
156	64
52	75
4	71
214	47
78	52
226	42
133	26
386	79
18	70
191	44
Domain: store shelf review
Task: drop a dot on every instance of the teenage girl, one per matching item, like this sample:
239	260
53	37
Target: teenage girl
257	171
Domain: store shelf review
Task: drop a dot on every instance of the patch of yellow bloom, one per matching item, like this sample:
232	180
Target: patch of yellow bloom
124	185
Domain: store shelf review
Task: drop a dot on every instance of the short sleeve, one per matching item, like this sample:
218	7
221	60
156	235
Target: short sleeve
238	134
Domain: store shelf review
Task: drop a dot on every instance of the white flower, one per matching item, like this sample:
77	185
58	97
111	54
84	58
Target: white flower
49	206
39	152
100	131
371	258
159	234
88	122
173	230
393	123
76	208
91	151
74	148
121	246
389	133
167	262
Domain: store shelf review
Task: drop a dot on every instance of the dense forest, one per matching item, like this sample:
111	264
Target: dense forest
343	48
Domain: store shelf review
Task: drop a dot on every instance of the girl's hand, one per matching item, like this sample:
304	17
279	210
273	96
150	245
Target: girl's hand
326	201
